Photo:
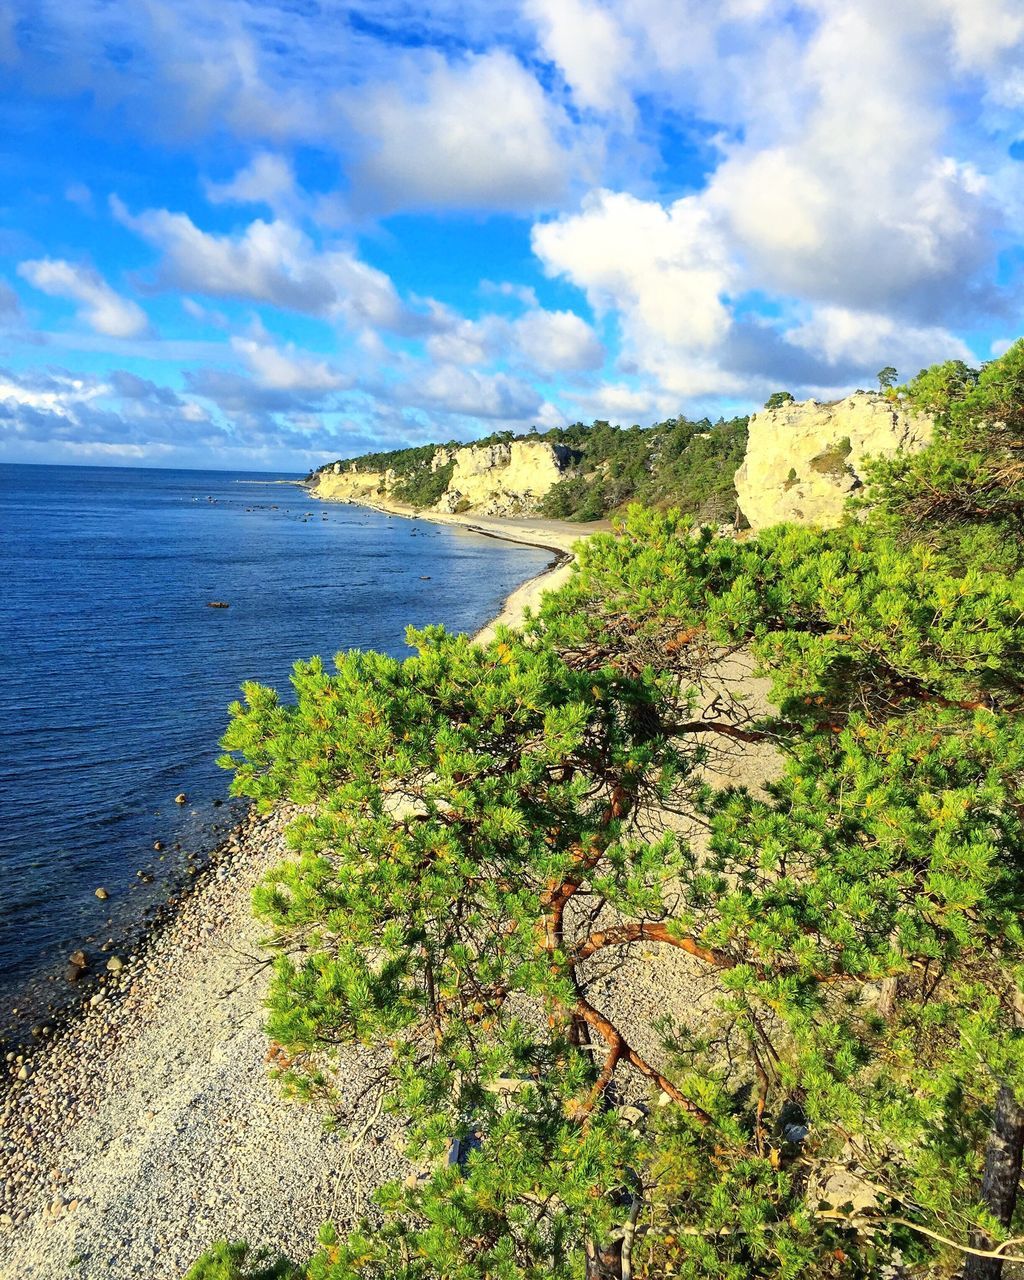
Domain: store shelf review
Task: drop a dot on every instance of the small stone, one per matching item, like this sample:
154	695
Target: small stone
181	798
115	964
24	1073
102	894
78	958
158	845
96	999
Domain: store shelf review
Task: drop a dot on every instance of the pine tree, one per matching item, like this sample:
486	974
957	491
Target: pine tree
848	1099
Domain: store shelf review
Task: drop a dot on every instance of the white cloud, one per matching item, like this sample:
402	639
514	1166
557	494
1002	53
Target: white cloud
844	337
664	269
589	46
103	309
287	368
276	263
548	341
557	341
524	293
467	392
268	179
476	134
840	223
55	393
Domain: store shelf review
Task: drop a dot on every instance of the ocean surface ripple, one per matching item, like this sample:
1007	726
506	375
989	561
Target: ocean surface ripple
116	673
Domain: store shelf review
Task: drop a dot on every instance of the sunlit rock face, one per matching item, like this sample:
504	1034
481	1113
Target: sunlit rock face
804	460
504	479
493	479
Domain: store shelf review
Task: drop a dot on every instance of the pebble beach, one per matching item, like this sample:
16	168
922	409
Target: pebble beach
152	1127
149	1125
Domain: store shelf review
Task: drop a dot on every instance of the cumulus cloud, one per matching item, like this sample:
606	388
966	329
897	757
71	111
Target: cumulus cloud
473	394
588	45
665	270
103	309
479	133
267	179
276	263
851	338
557	341
547	341
837	226
286	368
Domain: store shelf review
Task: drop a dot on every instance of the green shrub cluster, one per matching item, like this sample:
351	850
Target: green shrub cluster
687	465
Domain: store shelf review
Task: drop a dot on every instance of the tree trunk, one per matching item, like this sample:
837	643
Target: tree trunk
604	1262
1000	1181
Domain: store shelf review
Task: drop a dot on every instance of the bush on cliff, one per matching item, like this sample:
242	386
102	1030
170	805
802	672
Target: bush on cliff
965	492
678	463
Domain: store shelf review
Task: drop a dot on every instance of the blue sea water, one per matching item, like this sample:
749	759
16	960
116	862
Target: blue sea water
115	675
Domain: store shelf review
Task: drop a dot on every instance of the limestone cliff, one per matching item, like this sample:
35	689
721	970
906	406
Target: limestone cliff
340	485
503	479
803	460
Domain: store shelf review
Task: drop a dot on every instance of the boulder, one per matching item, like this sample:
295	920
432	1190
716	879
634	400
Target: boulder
804	460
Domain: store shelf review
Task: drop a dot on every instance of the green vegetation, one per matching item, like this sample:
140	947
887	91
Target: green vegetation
777	399
423	487
239	1262
833	460
478	884
687	465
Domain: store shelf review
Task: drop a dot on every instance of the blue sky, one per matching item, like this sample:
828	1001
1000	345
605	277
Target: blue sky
266	233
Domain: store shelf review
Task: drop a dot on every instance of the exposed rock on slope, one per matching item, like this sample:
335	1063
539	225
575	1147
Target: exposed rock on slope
495	479
804	460
350	486
504	479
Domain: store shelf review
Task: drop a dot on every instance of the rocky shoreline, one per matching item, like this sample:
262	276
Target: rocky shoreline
151	1127
145	1125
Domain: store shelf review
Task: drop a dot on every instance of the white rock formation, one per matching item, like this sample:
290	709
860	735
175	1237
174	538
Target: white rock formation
803	460
504	479
494	479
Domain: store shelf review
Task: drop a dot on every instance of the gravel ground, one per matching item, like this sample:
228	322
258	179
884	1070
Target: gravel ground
151	1127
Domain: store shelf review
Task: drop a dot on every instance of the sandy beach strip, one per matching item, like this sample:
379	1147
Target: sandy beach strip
150	1126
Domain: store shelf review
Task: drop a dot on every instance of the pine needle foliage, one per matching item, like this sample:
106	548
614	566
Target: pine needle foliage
472	867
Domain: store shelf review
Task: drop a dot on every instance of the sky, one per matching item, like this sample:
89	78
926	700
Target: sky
262	234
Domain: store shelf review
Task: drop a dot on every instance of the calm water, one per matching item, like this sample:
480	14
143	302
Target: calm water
116	675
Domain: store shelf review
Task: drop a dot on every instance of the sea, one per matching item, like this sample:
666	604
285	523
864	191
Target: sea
116	674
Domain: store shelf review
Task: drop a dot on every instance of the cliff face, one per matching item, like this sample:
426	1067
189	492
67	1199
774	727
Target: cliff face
340	485
804	460
495	480
504	479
